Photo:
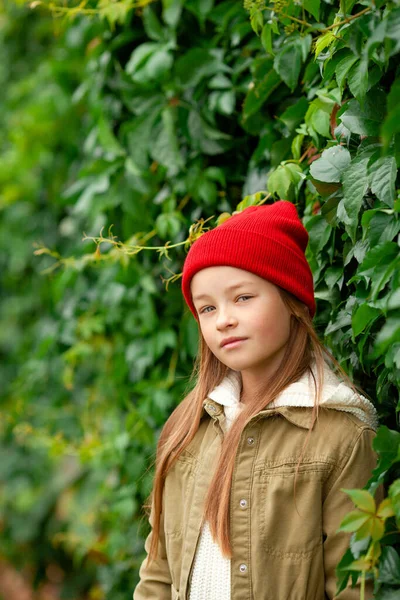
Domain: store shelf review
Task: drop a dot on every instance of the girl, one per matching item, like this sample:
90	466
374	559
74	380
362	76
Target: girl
247	495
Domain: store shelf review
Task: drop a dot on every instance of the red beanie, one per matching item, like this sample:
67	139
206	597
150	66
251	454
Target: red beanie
268	240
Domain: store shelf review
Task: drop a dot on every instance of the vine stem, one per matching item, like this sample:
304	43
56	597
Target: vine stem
301	21
362	590
347	20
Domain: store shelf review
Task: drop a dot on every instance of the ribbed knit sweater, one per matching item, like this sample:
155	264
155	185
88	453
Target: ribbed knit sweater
211	575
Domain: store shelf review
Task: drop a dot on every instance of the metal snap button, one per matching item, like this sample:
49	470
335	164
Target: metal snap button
243	503
243	568
250	441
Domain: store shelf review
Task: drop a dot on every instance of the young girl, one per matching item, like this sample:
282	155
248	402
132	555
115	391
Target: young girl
247	495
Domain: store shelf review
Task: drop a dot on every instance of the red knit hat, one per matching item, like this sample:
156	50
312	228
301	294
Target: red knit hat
268	240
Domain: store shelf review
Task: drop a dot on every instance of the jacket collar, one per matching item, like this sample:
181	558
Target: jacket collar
225	398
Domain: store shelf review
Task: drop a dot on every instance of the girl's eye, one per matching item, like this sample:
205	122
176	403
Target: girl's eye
244	297
203	310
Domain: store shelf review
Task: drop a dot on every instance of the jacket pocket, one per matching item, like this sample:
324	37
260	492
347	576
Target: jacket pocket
174	593
290	517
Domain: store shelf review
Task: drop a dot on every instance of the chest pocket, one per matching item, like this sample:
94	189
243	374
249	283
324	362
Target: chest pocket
289	517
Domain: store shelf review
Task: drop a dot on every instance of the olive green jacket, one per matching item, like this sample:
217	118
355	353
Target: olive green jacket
284	547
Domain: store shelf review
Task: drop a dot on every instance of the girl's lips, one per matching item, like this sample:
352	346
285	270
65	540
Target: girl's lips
233	344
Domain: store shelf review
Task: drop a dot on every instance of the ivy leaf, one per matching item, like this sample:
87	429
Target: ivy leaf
378	266
259	93
266	37
342	69
354	520
387	336
389	567
357	80
294	114
196	64
342	571
391	124
152	25
287	64
363	317
362	500
386	443
312	6
284	181
172	11
355	186
385	509
394	495
382	177
165	149
366	120
332	164
324	41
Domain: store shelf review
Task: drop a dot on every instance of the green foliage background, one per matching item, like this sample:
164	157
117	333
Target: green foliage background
149	118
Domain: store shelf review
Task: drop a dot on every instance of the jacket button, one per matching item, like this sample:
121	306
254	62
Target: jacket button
250	441
243	568
243	503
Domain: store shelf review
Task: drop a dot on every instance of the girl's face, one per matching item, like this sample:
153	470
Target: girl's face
233	303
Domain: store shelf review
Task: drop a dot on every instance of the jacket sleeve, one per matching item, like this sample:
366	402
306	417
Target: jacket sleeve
155	578
354	473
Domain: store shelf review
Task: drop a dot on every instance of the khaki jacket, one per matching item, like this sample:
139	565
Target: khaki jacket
282	549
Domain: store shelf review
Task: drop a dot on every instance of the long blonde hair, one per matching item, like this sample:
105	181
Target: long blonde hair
302	349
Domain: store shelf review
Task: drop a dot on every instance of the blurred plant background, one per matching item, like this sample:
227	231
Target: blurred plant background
122	124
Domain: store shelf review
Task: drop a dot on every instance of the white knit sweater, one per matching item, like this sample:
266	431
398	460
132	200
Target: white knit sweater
211	575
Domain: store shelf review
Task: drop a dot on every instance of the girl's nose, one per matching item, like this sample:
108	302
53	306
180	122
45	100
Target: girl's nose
225	319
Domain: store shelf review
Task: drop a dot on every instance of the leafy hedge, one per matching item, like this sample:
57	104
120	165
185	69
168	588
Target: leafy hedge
149	119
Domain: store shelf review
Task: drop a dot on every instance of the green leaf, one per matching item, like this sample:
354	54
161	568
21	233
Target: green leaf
357	79
295	113
387	444
332	164
312	6
285	180
394	495
378	266
259	93
355	186
324	41
391	124
342	69
266	37
363	317
297	145
342	571
196	64
140	55
318	117
168	225
256	21
382	177
362	500
354	520
389	567
287	64
280	182
385	509
172	11
364	121
387	336
250	200
152	25
320	232
165	148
